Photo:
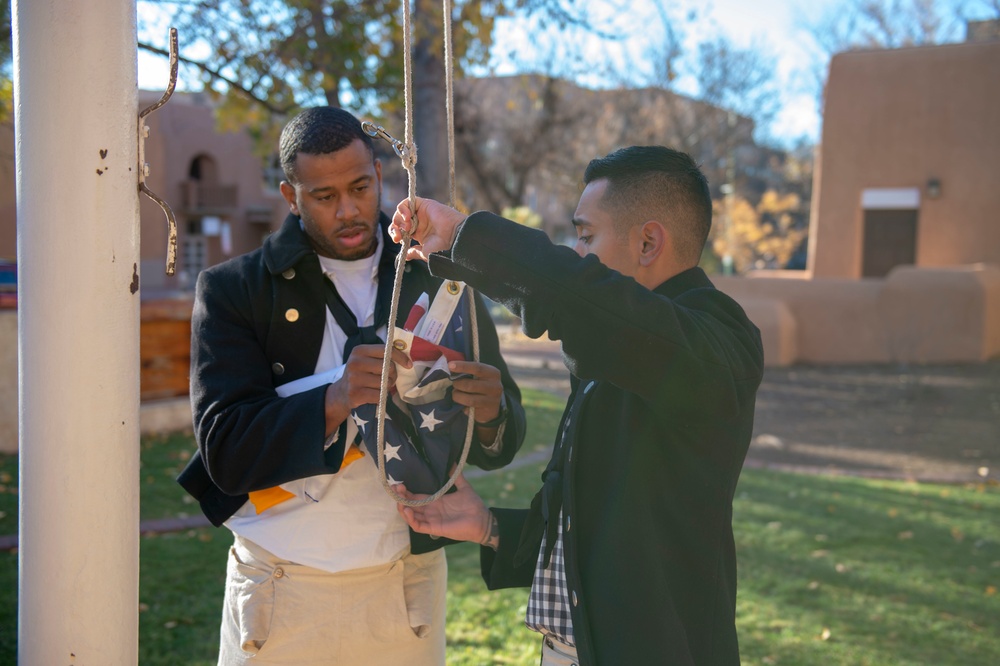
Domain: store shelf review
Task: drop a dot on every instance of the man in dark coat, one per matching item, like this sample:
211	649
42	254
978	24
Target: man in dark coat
628	547
285	345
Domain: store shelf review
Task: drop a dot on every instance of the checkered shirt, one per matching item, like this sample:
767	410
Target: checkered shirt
548	604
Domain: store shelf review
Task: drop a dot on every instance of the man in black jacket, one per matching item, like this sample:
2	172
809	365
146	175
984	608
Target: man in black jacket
285	346
628	547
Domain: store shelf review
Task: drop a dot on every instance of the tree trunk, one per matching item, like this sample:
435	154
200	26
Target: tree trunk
430	132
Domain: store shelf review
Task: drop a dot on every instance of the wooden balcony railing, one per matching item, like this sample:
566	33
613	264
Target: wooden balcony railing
198	198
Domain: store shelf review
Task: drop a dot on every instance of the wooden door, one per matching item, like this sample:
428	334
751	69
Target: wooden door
890	240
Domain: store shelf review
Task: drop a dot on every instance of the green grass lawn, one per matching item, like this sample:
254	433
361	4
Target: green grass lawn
832	570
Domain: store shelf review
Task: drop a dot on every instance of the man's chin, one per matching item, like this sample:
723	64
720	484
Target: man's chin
348	251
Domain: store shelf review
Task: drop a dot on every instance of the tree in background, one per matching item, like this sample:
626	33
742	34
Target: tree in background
714	100
265	59
516	133
756	237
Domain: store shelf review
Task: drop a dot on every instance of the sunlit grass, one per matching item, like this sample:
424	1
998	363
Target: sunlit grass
833	570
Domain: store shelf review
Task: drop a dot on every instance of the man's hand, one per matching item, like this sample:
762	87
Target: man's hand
460	515
433	227
483	390
361	382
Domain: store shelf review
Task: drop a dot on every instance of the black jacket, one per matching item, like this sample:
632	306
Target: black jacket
246	340
664	384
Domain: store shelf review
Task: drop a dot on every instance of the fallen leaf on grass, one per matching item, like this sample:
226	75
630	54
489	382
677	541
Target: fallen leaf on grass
991	590
813	585
825	634
957	534
905	536
893	513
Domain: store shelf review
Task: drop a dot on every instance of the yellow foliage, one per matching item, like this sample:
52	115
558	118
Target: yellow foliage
523	215
6	99
756	237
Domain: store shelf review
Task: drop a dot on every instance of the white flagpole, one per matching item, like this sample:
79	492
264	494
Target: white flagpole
76	112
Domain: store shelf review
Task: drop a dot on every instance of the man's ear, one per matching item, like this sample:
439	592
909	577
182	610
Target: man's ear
288	191
654	241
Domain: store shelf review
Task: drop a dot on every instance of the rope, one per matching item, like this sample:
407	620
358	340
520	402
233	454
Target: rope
408	156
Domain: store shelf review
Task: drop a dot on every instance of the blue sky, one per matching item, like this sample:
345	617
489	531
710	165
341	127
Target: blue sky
779	25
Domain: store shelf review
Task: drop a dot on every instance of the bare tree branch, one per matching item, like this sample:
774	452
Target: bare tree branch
234	85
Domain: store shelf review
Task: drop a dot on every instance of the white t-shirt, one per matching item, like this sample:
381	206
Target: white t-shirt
343	521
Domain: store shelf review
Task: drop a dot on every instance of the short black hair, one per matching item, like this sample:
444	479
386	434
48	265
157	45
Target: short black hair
657	183
318	131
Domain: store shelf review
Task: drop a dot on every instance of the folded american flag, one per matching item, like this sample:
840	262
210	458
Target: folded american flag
424	429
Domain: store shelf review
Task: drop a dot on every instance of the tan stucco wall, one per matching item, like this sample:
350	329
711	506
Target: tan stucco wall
914	315
897	118
836	320
938	315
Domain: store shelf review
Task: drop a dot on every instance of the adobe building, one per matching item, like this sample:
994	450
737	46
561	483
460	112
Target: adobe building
224	202
910	161
904	246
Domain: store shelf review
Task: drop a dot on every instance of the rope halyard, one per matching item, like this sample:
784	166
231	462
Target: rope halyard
407	152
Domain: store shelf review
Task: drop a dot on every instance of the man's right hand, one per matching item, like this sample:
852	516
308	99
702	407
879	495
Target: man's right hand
433	229
460	515
361	382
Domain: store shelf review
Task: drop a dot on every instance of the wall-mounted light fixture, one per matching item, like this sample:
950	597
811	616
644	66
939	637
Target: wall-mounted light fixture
933	188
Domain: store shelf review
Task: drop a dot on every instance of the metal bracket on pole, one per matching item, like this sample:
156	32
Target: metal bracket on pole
144	167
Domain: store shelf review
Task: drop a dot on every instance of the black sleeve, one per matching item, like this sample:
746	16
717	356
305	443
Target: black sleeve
498	566
611	328
248	437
